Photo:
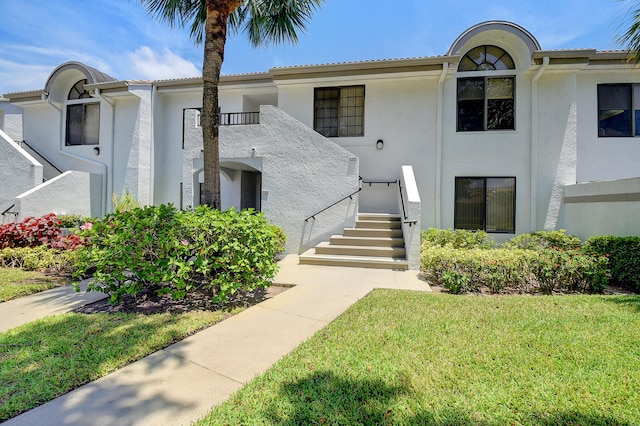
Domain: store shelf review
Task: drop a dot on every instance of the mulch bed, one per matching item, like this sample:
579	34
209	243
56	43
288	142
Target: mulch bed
148	302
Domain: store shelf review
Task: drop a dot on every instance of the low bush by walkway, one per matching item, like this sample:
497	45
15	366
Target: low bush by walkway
437	359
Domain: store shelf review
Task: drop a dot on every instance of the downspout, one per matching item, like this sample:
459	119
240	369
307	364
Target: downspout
108	189
439	127
152	180
533	176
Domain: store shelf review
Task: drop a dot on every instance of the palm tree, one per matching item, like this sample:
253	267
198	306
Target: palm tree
264	21
629	37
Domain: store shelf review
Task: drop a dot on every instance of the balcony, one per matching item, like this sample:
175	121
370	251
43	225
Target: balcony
239	118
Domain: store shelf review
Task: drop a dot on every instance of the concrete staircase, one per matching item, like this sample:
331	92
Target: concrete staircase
375	242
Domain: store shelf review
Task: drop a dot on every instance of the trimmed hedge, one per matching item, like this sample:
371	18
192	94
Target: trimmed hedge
538	262
456	238
522	271
624	258
38	258
540	240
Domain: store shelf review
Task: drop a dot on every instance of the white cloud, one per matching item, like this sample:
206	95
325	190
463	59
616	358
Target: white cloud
16	77
151	65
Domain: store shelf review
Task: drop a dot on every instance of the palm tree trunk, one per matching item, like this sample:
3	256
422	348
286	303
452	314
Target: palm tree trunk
215	38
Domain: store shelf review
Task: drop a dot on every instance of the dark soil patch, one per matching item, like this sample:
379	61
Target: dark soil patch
148	302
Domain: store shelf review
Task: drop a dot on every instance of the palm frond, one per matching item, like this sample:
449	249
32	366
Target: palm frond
180	13
273	21
629	33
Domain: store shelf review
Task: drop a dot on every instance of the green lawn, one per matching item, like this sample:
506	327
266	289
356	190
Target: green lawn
15	283
46	358
437	359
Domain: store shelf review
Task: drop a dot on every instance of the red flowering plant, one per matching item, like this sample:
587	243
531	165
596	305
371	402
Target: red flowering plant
37	231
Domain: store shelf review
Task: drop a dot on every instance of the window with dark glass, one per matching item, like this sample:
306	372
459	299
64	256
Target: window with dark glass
618	110
485	204
486	102
339	111
83	117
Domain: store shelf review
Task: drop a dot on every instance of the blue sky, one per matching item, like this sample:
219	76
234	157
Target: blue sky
119	38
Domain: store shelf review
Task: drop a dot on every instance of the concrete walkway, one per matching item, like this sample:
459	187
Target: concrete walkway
181	383
55	301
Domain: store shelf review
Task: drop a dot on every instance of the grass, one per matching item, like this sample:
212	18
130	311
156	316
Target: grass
44	359
16	283
437	359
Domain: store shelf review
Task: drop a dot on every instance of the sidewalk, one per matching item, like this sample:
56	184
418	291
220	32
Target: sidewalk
55	301
181	383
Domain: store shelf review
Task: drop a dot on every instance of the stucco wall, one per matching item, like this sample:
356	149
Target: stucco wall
601	158
11	120
409	205
23	174
168	136
556	160
302	173
400	110
69	193
603	208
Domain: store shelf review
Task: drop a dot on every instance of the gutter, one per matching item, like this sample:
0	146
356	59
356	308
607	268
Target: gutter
533	176
152	134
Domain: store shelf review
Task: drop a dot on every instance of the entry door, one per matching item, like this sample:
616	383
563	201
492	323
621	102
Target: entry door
250	190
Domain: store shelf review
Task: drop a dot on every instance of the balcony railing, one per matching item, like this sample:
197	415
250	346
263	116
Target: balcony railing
239	118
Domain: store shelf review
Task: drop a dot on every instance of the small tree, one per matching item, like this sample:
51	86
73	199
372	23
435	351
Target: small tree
264	21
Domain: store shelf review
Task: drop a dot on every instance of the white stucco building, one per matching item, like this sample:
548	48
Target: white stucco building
496	134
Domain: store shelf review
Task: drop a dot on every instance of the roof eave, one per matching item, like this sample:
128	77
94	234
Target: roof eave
25	97
388	66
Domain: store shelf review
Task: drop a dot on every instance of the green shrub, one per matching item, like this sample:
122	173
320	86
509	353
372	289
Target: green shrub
174	252
514	270
624	258
540	240
280	238
456	282
233	250
458	238
73	221
38	258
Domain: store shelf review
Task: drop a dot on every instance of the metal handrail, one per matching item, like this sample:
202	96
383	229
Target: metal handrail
313	216
385	182
41	156
404	211
9	212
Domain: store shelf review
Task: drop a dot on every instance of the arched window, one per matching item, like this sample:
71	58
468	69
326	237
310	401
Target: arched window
486	101
486	58
83	117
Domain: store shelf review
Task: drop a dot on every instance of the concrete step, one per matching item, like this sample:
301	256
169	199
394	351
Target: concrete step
372	232
310	257
378	224
379	216
367	241
342	250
